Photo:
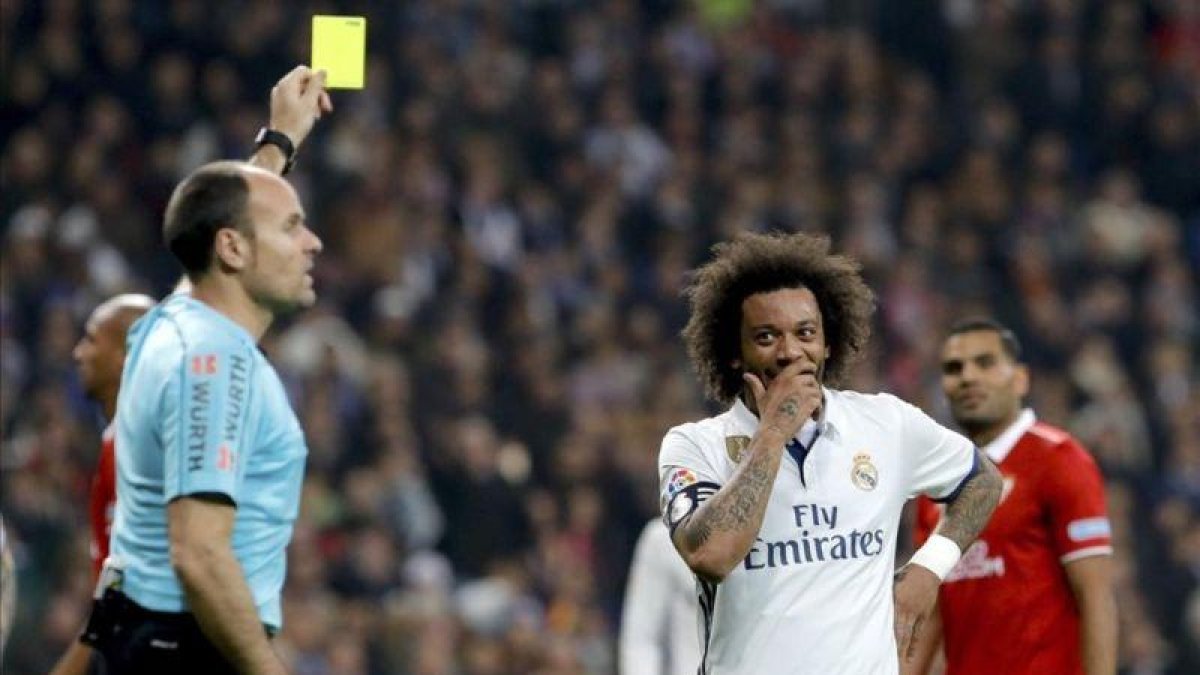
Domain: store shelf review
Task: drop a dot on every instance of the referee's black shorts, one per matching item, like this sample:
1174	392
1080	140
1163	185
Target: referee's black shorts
138	641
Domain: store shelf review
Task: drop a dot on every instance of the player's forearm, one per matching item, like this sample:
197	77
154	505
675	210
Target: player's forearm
715	538
969	512
76	661
1098	630
269	157
220	600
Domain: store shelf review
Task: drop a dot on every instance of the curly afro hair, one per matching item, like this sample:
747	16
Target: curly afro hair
762	263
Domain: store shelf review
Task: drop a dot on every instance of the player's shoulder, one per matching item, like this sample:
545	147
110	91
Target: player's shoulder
1050	438
702	442
1055	445
699	431
194	326
856	408
865	400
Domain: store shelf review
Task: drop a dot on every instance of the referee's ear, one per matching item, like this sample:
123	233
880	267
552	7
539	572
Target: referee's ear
231	250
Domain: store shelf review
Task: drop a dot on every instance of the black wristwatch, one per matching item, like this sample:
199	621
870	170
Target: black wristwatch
267	136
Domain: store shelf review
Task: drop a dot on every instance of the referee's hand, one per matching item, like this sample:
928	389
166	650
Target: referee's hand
915	592
298	100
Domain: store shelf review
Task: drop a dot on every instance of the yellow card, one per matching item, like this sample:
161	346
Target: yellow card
339	47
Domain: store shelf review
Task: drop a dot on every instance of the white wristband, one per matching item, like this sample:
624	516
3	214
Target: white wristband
939	555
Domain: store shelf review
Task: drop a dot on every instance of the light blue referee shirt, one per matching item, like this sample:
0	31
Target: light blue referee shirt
202	411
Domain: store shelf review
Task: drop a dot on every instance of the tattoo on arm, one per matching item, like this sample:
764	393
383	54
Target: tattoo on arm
740	504
969	512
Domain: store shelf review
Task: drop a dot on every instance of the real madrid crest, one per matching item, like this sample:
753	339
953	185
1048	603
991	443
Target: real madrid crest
863	474
735	446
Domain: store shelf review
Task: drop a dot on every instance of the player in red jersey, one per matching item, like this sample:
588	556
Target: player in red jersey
1034	593
100	355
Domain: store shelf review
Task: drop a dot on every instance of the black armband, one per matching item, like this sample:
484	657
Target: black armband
685	502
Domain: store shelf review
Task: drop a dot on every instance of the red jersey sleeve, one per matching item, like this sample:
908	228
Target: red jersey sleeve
928	514
1074	495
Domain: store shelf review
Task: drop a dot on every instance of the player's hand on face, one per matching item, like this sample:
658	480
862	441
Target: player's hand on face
789	399
297	101
915	592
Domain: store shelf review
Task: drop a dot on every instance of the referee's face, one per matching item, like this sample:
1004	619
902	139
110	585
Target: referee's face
278	274
779	328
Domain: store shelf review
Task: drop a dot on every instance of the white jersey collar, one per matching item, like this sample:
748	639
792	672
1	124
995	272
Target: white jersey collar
1003	444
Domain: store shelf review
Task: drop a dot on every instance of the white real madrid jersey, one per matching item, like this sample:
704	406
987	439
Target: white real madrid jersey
814	594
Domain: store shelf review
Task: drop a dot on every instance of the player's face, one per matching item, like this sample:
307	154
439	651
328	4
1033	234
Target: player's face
779	328
100	353
278	273
983	384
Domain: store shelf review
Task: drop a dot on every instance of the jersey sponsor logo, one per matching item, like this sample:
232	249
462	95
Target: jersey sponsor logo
199	399
863	474
235	398
735	447
204	364
226	458
1089	528
975	564
818	541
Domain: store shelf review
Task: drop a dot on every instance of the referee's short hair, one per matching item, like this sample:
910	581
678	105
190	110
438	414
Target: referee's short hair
213	197
1008	339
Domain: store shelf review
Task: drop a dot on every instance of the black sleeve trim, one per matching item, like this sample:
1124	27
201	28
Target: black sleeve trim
962	483
210	497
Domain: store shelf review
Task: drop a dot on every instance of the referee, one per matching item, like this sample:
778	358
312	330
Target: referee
210	455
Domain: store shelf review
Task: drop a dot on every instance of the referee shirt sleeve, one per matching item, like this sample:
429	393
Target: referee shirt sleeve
203	421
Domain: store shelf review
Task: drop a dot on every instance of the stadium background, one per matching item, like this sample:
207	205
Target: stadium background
509	208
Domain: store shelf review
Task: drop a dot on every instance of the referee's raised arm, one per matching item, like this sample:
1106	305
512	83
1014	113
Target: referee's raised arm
298	100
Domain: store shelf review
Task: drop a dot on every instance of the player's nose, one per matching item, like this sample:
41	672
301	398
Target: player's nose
969	373
789	350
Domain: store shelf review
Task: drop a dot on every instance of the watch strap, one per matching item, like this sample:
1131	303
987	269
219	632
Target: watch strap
268	136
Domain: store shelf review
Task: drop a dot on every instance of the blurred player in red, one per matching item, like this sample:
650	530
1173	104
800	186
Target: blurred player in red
1034	593
100	355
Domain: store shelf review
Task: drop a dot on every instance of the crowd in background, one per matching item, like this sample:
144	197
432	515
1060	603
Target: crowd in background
509	209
